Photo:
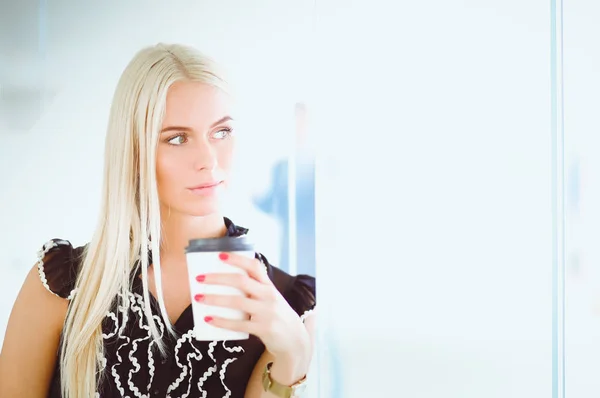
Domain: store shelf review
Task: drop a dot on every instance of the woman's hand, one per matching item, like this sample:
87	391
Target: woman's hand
270	317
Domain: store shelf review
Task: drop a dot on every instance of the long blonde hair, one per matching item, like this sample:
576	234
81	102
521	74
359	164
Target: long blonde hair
130	212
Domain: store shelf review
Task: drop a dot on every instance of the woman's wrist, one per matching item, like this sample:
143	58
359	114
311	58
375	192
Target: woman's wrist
290	367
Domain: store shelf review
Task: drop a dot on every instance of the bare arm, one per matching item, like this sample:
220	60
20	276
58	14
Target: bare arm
284	370
29	351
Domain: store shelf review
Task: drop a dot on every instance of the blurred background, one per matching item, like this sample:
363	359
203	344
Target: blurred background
456	191
582	197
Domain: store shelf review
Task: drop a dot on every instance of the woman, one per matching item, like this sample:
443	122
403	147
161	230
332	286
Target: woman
113	318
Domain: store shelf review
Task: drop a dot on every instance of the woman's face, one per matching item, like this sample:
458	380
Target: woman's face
195	149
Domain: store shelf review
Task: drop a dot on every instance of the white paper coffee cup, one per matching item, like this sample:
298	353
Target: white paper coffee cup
203	258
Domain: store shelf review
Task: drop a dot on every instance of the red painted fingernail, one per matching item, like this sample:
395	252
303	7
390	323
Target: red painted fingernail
208	319
199	297
223	256
201	278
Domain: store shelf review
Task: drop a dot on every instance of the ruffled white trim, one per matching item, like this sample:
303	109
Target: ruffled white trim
40	263
223	370
195	354
307	313
40	266
128	348
136	366
210	371
114	372
112	316
222	376
187	338
232	349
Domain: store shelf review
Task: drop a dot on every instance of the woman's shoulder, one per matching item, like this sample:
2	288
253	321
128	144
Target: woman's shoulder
58	264
298	290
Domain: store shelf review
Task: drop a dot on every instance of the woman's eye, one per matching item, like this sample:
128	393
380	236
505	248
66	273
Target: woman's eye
221	134
177	140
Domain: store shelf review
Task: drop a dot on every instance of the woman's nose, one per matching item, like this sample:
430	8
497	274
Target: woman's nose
206	157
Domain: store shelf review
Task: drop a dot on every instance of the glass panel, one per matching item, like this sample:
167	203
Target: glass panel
435	227
582	197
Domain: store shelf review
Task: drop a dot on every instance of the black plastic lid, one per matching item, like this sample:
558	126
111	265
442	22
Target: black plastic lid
226	244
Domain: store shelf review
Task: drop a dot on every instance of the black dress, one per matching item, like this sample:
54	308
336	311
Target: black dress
133	367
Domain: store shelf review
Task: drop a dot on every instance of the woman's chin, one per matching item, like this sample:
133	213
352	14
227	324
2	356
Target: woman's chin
206	209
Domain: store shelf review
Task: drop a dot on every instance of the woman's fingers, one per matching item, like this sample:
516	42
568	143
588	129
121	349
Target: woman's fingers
255	268
257	327
248	286
230	324
238	302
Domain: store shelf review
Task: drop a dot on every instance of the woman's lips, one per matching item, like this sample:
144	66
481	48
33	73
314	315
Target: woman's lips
206	188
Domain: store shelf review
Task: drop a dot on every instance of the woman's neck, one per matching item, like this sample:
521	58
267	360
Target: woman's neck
179	229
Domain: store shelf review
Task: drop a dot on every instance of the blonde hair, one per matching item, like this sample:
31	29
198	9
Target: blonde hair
130	212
